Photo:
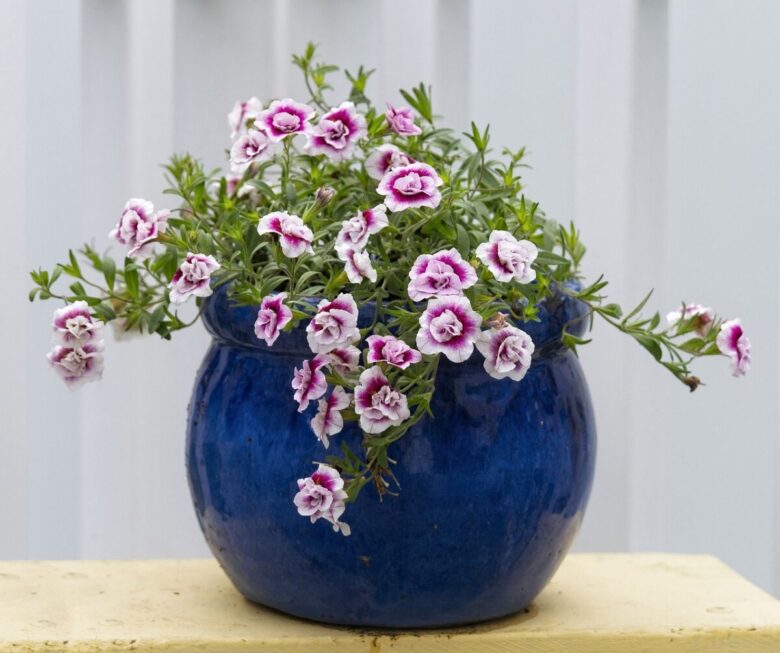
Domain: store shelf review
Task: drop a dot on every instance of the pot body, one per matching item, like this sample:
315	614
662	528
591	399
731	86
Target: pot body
492	490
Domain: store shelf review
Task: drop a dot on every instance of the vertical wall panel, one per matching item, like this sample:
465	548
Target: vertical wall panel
646	254
223	51
523	72
14	443
602	193
52	179
717	446
109	448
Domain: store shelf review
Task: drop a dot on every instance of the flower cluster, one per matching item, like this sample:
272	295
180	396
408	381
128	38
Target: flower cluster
394	245
77	355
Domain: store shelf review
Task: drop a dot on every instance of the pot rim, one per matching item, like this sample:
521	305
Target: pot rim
233	324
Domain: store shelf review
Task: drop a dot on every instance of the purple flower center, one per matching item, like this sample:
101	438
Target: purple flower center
335	133
386	401
446	326
414	184
510	353
510	255
286	122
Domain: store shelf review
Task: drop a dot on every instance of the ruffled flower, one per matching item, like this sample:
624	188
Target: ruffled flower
386	157
379	405
78	365
285	118
401	120
193	277
411	186
328	420
449	326
309	381
295	237
250	147
357	265
354	232
322	495
242	113
344	360
391	350
439	275
733	342
74	325
337	132
334	325
138	227
272	317
507	352
702	318
508	258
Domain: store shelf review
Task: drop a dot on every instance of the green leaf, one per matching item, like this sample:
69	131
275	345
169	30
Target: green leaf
77	289
693	345
156	319
612	310
131	278
109	271
638	308
548	258
104	312
74	264
650	344
463	241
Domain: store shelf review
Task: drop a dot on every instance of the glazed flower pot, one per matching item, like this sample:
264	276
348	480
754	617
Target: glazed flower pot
492	491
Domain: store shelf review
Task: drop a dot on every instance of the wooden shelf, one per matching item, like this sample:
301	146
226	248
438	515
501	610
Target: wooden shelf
599	603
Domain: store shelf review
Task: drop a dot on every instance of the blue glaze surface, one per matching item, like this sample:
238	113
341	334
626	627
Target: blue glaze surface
492	490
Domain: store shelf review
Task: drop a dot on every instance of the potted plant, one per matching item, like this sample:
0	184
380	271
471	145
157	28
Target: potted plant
394	333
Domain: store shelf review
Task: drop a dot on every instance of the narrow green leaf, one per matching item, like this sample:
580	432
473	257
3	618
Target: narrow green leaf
109	271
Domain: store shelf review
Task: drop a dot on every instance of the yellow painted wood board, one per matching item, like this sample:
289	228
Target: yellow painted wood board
596	603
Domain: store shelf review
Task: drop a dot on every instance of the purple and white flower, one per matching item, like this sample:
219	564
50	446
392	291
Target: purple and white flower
401	120
337	132
328	420
733	342
285	118
357	264
78	365
386	157
241	113
354	232
322	495
439	275
139	226
74	325
449	326
508	258
272	317
193	278
507	352
379	405
250	147
344	360
309	381
702	317
334	324
294	236
411	186
391	350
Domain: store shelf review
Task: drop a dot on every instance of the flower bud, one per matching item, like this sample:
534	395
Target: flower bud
324	195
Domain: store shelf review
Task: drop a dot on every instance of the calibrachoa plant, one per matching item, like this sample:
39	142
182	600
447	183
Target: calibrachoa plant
328	208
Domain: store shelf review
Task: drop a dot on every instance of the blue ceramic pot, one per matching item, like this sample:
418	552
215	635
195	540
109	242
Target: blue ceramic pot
492	490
